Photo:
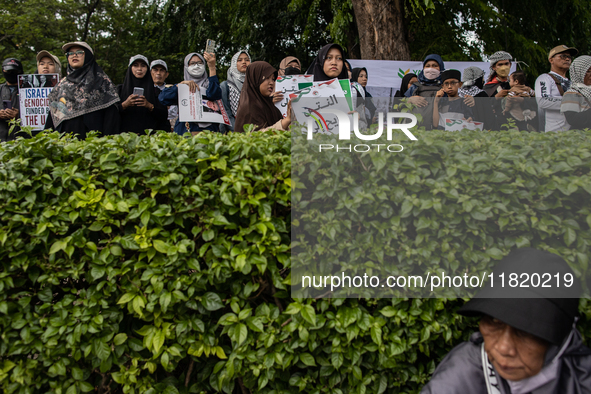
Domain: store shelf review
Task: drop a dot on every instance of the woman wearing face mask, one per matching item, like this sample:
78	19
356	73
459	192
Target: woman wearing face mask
256	104
422	93
86	99
195	76
290	66
232	87
140	112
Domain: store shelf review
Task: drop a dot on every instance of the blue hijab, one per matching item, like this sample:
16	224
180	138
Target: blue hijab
422	79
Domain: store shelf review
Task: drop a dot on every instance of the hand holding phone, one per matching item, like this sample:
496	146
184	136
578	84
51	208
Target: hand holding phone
7	104
210	46
138	91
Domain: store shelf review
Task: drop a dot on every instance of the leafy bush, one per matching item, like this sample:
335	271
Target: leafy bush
162	265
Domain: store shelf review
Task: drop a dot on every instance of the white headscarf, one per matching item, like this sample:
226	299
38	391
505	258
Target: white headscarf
202	81
578	70
235	81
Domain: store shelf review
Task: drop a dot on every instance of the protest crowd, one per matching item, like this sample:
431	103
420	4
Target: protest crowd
86	99
530	346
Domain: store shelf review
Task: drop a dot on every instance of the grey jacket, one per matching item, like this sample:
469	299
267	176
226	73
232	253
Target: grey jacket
460	372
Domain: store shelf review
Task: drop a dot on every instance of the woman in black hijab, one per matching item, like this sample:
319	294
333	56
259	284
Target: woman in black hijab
407	82
329	64
359	77
86	100
141	112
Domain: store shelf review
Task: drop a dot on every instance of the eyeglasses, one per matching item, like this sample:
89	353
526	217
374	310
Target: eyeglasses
565	57
194	63
450	84
75	53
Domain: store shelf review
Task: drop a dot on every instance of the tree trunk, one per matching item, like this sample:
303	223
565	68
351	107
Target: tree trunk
382	32
89	11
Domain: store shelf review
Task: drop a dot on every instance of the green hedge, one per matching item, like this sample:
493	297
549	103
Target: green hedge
162	264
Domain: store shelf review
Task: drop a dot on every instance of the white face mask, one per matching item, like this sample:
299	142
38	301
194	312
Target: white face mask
431	73
196	70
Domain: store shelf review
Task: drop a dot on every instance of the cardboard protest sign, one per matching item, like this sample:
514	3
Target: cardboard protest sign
460	124
308	102
194	107
33	91
288	84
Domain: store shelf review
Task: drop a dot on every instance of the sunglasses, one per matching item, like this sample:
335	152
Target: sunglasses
75	53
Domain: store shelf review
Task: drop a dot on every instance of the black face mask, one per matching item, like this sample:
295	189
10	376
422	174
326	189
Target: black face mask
292	71
10	76
479	82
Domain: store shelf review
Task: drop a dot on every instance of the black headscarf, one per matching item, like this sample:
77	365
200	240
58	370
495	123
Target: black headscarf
137	119
404	86
355	73
254	108
84	90
317	66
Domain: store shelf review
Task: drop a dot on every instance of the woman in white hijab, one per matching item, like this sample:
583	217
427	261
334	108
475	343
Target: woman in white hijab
232	87
195	76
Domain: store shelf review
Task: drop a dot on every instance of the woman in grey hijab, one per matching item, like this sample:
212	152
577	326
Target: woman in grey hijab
232	87
196	76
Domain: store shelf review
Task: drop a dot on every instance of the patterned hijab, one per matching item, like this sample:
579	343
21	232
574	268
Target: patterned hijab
203	80
84	90
469	78
578	70
235	77
235	81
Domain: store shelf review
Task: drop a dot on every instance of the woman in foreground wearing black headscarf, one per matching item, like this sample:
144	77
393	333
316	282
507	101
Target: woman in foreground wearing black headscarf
528	342
141	112
86	100
329	64
256	104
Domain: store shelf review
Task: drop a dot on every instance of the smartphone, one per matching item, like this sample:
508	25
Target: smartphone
7	104
138	91
210	46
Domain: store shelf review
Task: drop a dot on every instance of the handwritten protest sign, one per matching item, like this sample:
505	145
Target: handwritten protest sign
33	91
289	84
307	103
460	124
194	107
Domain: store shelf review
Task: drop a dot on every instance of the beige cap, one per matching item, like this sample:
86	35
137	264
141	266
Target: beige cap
562	48
67	46
56	59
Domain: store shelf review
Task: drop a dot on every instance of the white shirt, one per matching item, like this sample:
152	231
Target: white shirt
549	101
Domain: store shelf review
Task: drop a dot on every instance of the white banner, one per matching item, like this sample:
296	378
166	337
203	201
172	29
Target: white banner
386	74
33	90
194	108
288	84
307	103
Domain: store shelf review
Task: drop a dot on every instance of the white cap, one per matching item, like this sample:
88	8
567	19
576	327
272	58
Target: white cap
138	57
158	62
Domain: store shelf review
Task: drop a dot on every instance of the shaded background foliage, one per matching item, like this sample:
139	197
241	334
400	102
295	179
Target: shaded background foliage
456	29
